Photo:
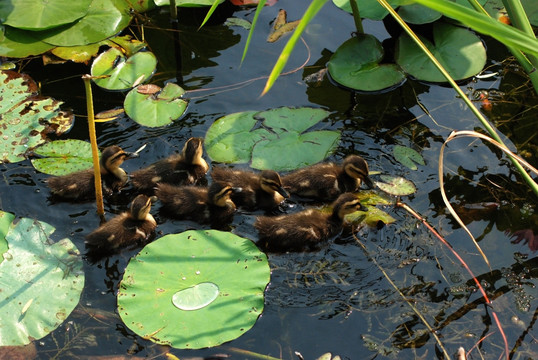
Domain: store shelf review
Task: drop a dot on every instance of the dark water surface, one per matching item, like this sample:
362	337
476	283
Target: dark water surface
337	299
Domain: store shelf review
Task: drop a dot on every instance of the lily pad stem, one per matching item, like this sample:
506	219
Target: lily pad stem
93	141
173	10
357	16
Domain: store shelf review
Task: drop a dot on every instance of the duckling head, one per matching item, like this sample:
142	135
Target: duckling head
111	159
270	183
346	203
193	151
219	194
357	168
140	207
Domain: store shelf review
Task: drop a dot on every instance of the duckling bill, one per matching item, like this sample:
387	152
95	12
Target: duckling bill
186	168
204	205
258	190
305	230
326	181
129	228
81	185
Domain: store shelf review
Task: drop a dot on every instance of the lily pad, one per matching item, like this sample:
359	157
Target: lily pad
407	157
157	107
373	217
356	65
103	20
195	289
123	72
39	14
275	139
26	118
418	14
369	9
459	50
63	157
531	9
397	186
78	54
41	282
188	3
20	43
5	221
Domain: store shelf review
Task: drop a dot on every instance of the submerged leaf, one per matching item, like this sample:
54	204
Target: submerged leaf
180	283
397	186
63	157
407	157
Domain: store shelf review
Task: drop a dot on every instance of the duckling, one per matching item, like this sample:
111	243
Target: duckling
326	181
128	228
211	205
258	190
186	168
305	230
81	185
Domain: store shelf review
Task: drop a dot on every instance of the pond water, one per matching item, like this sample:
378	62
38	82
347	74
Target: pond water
337	299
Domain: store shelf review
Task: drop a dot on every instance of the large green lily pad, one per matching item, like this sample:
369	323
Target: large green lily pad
63	157
25	118
20	43
369	9
41	282
39	14
151	105
123	72
356	65
276	139
459	50
103	20
188	3
418	14
195	289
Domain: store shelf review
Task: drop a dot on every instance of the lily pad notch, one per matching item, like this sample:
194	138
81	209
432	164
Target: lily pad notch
195	289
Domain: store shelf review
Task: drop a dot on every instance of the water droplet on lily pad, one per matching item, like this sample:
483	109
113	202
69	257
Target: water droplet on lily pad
196	297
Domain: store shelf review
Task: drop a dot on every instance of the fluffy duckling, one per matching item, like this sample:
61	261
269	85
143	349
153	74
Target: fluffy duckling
305	230
81	185
258	190
211	205
178	169
128	228
326	181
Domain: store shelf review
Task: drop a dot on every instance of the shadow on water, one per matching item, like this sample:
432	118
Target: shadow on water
335	299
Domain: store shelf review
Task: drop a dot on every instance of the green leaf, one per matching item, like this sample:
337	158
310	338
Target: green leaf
531	9
273	139
20	43
372	217
235	21
39	14
155	109
227	273
41	282
5	221
396	186
370	197
188	3
79	54
26	118
369	9
355	64
460	51
407	157
418	14
123	72
63	157
102	21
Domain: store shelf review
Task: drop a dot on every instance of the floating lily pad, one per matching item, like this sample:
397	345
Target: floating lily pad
157	107
370	197
39	14
20	43
123	72
276	139
531	9
373	217
63	157
407	157
41	282
356	65
459	50
79	54
5	221
396	186
195	289
103	20
369	9
418	14
188	3
25	117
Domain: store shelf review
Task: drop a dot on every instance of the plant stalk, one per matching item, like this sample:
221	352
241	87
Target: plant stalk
93	140
173	10
356	16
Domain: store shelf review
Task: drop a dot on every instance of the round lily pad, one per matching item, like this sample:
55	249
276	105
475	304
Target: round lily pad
123	73
195	289
41	282
407	157
157	107
276	139
459	50
394	185
369	9
39	14
418	14
356	65
63	157
20	43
